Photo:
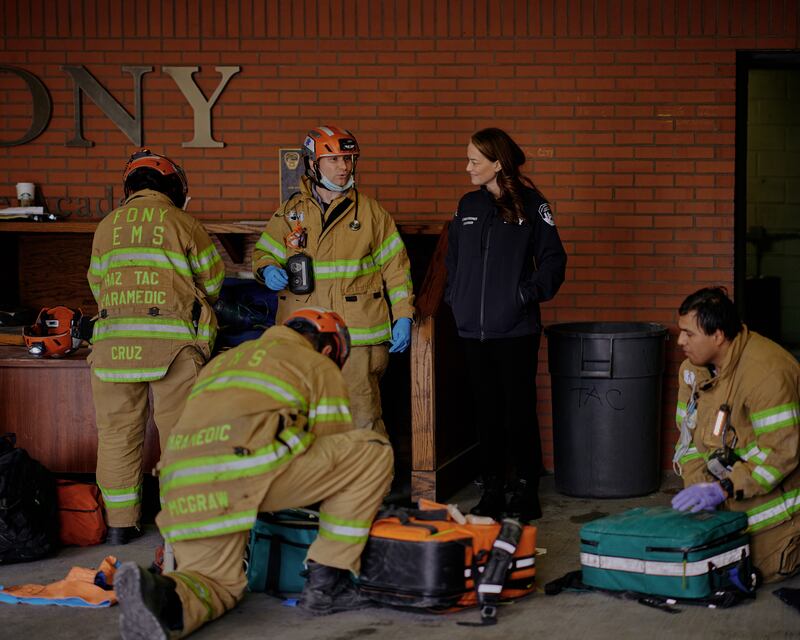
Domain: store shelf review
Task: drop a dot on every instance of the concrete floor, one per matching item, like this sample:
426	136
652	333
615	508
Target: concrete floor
569	615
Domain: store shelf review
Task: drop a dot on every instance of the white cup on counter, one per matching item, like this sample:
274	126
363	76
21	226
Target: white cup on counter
25	193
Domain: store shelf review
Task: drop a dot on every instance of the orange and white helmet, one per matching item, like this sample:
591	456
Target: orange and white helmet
148	170
328	326
330	141
55	333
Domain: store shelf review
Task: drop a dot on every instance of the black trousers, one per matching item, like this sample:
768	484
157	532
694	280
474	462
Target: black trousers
502	375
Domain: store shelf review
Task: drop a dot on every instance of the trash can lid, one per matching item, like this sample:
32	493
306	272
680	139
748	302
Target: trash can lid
607	329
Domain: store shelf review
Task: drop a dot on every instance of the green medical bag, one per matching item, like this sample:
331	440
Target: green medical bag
277	550
660	551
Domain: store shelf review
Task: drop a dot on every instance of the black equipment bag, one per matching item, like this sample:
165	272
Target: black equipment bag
28	505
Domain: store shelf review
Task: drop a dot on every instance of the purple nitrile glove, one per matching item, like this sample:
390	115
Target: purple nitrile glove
705	496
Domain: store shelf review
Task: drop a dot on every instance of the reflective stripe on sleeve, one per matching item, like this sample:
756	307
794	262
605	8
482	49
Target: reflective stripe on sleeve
776	418
271	247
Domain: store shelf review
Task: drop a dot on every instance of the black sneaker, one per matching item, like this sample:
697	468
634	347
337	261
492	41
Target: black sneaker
330	590
122	535
524	502
150	606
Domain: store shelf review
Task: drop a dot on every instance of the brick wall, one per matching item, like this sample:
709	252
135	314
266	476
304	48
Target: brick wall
625	108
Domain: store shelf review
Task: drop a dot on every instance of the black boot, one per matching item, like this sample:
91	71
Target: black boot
493	500
150	606
524	503
123	535
330	590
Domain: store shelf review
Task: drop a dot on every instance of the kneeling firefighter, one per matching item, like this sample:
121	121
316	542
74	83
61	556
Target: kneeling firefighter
266	427
154	273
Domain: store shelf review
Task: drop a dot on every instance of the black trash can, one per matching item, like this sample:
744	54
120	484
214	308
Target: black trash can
606	398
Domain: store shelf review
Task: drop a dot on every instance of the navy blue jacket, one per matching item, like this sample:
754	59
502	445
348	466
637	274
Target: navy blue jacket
498	273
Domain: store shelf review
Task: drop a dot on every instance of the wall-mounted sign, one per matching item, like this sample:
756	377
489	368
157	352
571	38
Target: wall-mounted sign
291	169
84	82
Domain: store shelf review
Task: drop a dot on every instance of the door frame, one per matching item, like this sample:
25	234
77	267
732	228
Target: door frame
745	62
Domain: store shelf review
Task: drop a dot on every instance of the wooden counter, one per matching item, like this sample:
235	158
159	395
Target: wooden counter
48	403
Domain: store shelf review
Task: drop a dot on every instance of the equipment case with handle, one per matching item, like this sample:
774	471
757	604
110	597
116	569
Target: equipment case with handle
421	558
277	550
664	552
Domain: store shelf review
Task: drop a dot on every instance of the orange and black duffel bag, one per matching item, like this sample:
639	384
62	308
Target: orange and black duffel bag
80	511
423	558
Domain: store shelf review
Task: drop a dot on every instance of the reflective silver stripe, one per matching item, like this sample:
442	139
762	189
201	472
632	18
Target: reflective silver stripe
328	410
123	497
343	530
244	522
764	473
467	573
115	326
787	504
278	390
131	376
786	414
357	337
500	544
655	568
490	588
754	452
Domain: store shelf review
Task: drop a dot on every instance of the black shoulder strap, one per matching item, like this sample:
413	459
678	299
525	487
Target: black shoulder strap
338	210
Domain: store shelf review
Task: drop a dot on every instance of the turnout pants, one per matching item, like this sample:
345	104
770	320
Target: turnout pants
349	473
776	552
363	372
121	410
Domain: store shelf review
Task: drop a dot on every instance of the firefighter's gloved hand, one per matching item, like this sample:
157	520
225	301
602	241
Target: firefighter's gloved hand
704	496
275	277
401	335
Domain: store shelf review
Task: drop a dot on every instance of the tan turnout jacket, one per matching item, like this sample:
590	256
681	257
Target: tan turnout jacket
154	273
354	271
760	381
252	411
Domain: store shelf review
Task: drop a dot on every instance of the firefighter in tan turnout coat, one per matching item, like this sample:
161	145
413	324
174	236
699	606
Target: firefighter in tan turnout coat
267	426
154	273
739	416
358	260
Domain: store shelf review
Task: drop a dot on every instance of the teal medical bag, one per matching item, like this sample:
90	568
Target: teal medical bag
277	550
668	553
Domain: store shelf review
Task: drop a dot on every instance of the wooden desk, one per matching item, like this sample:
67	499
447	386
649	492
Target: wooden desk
48	403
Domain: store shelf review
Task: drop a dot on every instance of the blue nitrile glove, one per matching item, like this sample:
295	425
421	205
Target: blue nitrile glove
704	496
275	277
401	335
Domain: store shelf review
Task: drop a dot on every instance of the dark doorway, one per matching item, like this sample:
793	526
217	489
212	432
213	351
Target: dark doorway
767	205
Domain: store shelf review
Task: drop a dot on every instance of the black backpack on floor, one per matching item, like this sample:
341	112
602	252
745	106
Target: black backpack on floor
28	505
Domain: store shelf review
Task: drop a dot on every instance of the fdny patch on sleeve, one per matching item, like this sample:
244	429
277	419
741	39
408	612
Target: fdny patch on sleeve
688	377
546	214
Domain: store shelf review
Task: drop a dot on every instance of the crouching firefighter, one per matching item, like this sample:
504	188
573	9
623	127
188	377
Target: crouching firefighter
266	427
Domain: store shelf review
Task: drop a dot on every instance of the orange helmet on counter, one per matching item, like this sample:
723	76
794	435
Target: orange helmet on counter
55	333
